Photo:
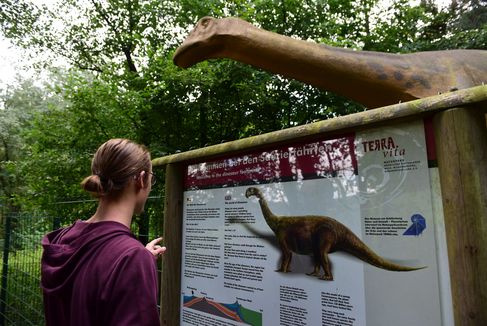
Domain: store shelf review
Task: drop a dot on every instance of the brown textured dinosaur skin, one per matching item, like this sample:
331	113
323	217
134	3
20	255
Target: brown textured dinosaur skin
318	236
373	79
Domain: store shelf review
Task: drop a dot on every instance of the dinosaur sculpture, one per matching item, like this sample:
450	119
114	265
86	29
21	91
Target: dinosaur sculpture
373	79
318	236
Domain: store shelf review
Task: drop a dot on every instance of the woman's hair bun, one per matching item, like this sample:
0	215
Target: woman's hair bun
114	164
93	185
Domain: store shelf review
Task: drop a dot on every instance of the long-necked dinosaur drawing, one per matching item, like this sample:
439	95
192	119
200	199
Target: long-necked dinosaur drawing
318	236
373	79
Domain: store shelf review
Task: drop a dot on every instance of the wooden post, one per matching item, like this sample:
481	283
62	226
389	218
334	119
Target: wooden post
171	265
461	140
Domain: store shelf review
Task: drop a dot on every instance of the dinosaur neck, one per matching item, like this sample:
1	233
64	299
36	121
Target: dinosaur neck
371	78
355	74
269	217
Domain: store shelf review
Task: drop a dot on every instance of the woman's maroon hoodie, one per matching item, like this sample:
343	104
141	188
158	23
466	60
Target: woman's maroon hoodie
98	274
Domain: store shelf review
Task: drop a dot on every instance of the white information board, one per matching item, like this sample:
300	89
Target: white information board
284	236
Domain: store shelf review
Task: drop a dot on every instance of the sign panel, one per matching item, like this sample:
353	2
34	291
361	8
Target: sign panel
341	231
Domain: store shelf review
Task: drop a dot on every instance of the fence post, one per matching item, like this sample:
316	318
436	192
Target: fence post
171	264
144	228
56	223
3	290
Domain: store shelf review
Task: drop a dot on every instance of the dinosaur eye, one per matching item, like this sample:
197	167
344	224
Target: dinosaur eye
205	22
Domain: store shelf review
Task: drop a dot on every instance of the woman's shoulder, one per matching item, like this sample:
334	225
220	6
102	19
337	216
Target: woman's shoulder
124	242
114	238
123	250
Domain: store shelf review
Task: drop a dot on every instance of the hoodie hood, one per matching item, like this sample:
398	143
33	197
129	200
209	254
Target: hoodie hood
65	250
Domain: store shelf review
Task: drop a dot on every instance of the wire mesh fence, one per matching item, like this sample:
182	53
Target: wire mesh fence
21	297
21	250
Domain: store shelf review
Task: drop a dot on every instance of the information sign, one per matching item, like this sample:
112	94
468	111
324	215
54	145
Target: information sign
342	231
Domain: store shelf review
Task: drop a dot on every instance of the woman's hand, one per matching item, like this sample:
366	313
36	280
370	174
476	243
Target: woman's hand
154	248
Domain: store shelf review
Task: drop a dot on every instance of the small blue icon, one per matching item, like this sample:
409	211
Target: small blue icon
419	224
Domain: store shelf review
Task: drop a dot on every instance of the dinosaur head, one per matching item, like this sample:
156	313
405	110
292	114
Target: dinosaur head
252	191
204	41
199	44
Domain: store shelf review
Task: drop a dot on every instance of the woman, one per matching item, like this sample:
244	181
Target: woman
95	272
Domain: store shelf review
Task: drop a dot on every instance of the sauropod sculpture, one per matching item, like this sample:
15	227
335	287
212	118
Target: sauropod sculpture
318	236
373	79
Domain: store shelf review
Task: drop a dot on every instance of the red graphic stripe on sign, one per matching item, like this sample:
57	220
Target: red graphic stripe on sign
318	159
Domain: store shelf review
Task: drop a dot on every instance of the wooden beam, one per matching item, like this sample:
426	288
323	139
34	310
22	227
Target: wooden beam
415	108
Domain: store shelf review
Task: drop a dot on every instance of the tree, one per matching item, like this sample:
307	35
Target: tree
19	106
122	82
103	36
469	14
468	26
58	142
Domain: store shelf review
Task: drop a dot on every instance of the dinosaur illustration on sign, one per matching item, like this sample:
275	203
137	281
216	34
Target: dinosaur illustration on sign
318	236
373	79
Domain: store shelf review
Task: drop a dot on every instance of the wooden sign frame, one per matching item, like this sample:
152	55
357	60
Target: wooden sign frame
460	128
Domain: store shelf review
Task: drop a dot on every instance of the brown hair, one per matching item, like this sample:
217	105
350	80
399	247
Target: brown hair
113	164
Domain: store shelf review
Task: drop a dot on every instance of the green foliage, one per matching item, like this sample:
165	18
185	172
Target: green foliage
18	18
469	14
20	104
60	140
123	82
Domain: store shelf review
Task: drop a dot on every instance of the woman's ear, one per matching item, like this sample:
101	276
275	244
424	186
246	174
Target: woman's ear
142	181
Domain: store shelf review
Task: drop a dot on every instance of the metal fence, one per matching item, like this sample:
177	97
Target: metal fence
21	250
20	294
